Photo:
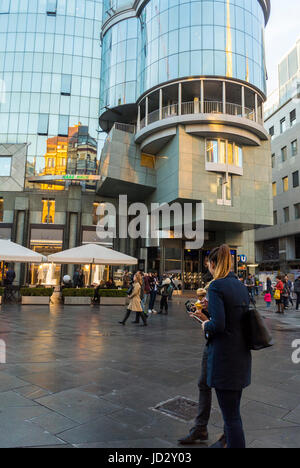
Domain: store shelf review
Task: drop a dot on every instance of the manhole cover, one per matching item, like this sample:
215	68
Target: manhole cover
179	407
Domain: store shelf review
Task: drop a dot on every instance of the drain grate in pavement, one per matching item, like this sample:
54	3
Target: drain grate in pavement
179	407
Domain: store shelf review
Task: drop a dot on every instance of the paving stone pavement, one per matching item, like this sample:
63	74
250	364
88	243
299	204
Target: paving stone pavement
74	377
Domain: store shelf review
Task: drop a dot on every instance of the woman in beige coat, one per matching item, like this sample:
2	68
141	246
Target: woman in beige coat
135	301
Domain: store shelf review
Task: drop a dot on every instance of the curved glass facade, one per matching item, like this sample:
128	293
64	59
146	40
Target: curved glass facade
119	64
50	58
182	38
111	7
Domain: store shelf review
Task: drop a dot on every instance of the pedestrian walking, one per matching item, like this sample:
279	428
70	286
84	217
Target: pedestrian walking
268	299
278	295
135	301
165	290
297	292
229	358
153	282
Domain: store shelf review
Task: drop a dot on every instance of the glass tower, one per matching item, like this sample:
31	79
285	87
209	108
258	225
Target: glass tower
50	56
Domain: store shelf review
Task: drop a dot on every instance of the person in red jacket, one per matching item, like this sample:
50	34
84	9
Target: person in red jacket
280	302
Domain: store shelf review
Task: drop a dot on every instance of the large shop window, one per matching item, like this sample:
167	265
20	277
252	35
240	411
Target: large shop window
46	242
224	152
48	213
224	190
5	166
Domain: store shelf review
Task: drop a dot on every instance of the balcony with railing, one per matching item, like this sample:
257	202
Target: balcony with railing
196	101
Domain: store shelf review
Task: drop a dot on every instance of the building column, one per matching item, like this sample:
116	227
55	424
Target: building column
243	101
202	96
146	111
179	98
139	119
256	108
160	103
224	97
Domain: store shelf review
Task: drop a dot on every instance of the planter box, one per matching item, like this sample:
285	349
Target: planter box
35	300
113	301
74	300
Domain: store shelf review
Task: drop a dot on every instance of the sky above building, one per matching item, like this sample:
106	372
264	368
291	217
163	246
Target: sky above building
281	34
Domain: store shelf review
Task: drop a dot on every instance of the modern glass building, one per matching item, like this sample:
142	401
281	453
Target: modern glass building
50	57
186	80
50	62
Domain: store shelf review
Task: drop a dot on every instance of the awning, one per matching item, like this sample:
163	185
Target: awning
16	253
92	254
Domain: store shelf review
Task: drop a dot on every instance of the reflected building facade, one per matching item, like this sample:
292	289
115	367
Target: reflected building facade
50	61
183	85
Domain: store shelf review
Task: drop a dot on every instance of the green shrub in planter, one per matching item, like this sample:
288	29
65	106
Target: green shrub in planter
89	292
37	292
1	291
78	292
113	292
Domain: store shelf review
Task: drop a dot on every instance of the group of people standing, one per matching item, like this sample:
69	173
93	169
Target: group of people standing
283	292
142	292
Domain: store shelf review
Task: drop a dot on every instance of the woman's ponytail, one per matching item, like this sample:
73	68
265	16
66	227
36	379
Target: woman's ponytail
221	256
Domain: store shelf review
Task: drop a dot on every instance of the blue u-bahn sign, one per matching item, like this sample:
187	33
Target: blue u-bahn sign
242	258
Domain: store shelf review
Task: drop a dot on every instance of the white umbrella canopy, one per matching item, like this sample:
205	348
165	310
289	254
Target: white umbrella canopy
16	253
92	254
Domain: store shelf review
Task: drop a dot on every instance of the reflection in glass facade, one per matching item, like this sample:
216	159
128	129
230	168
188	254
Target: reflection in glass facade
182	38
50	57
119	64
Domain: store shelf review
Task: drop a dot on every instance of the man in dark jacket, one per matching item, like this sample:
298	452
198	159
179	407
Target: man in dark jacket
9	277
297	292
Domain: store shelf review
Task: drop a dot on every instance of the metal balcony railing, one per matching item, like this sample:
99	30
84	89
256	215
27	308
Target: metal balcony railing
194	107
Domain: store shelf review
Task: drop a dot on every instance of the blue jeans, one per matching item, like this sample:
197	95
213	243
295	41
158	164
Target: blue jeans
152	299
230	402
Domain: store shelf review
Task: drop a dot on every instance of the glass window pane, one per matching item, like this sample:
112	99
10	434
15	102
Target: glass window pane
4	6
66	84
212	151
5	166
43	124
51	7
63	125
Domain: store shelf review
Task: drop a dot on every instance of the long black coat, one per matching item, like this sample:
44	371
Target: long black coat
229	359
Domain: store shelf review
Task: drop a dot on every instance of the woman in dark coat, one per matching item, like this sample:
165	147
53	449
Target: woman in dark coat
229	359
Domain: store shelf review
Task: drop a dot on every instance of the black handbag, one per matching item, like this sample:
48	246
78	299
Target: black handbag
258	336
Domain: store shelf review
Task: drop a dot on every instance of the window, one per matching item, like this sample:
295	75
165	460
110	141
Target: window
274	188
224	190
5	166
297	211
223	152
51	7
275	220
66	83
293	117
286	214
43	124
4	6
147	160
1	210
294	147
284	154
48	213
63	125
212	151
272	132
296	179
273	161
282	125
285	183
